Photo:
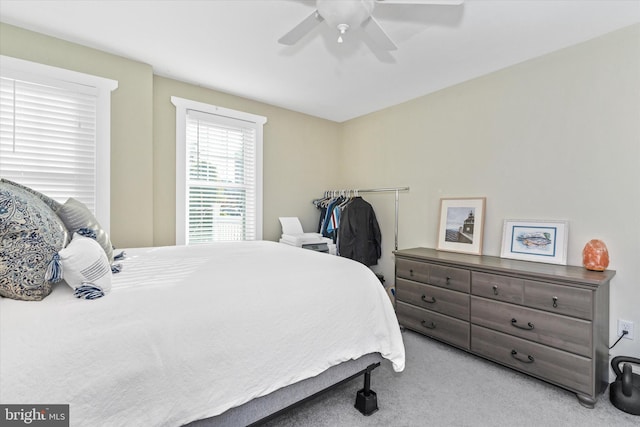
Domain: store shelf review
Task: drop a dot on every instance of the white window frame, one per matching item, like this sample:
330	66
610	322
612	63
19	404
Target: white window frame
45	74
182	105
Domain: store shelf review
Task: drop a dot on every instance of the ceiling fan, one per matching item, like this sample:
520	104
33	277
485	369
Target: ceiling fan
344	15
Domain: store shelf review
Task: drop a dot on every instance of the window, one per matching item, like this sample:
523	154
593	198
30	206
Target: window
55	132
218	173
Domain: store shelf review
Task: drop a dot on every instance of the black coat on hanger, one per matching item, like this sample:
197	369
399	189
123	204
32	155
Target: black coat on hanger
359	235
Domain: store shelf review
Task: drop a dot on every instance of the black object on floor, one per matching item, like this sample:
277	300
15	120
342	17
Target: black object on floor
624	392
366	399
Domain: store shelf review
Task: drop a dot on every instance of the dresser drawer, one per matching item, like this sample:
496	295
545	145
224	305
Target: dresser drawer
412	270
452	278
559	299
445	328
565	333
560	367
444	301
501	288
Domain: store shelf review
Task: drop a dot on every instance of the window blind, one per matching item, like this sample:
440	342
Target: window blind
221	178
48	138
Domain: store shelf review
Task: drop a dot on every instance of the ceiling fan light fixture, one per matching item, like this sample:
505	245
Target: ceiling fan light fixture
342	29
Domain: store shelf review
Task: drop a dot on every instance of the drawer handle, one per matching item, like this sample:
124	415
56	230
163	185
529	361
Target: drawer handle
431	301
411	272
448	281
429	325
495	289
555	302
528	327
529	358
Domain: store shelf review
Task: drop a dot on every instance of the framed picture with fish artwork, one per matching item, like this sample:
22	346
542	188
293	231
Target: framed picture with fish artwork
461	225
533	240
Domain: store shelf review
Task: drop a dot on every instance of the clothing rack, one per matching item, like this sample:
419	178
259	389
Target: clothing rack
396	190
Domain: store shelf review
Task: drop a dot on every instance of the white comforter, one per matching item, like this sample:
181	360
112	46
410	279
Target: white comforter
189	332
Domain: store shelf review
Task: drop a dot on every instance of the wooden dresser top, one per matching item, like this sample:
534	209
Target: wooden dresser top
497	265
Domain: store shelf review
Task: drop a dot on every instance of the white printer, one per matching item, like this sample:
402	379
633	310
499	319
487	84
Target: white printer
292	234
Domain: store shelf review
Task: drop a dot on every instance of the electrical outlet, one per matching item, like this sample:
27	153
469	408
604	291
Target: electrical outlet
625	325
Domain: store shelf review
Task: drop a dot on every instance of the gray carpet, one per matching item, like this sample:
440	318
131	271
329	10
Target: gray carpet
443	386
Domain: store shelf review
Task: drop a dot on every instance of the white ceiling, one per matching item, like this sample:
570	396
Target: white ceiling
231	46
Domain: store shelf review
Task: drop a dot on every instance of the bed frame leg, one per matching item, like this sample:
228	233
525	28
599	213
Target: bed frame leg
366	399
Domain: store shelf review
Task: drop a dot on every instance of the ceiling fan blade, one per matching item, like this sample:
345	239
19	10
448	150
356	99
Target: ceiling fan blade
426	2
377	34
301	30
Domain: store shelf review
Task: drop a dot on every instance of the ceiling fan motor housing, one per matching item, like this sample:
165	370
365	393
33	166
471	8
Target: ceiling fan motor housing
346	12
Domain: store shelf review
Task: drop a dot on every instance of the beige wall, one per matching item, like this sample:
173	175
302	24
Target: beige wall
294	148
143	142
557	137
131	124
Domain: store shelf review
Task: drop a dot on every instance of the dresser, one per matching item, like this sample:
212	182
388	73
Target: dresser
548	321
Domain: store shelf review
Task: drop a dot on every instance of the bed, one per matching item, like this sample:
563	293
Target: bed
218	334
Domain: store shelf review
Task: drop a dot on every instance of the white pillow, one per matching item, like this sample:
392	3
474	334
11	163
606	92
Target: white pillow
84	262
76	215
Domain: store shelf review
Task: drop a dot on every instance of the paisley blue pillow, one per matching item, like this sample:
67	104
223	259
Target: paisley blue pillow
30	235
48	200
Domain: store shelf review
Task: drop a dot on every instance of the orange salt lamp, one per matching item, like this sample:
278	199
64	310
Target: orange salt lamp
595	255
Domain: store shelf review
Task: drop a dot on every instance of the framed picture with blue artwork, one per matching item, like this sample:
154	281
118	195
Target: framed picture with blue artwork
461	225
533	240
